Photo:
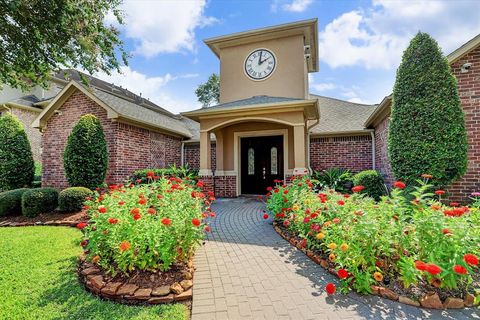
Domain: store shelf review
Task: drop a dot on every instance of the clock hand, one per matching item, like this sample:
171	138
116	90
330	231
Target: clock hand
260	58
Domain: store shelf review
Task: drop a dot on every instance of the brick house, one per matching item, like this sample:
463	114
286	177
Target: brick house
264	127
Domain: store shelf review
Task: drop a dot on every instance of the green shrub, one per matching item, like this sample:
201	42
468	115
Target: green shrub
40	200
11	202
372	181
427	128
334	178
16	159
86	155
72	199
184	172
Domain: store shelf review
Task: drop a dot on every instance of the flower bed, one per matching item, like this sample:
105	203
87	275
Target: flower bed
143	231
420	250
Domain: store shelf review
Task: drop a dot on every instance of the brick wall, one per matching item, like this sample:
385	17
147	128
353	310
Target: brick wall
130	148
192	155
26	117
57	131
349	152
382	164
469	90
225	186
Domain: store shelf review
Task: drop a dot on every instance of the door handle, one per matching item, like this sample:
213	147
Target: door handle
264	172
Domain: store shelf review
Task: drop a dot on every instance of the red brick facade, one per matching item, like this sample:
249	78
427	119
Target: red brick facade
348	152
130	148
382	164
469	89
26	117
192	155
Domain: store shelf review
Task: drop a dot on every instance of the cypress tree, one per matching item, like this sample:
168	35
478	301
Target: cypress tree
427	128
85	158
17	167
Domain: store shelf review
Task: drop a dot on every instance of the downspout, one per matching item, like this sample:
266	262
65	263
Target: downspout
308	144
372	134
182	154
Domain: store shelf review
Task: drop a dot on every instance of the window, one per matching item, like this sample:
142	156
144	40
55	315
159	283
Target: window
273	161
251	162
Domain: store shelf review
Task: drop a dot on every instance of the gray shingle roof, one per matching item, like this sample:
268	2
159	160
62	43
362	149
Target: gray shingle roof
146	115
337	116
27	101
252	101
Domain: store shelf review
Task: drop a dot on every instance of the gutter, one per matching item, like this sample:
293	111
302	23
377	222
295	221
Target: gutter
372	134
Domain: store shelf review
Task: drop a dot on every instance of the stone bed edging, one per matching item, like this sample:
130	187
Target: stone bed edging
125	293
430	300
58	223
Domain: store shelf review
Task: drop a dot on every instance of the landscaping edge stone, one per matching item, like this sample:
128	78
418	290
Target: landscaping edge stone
126	293
430	301
57	223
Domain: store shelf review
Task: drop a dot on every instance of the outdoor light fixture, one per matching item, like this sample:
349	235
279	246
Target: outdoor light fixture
465	67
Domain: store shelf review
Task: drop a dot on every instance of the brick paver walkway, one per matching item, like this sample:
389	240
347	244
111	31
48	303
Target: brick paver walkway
246	271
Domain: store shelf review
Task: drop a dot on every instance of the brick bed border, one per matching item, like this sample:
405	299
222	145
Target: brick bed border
429	301
57	223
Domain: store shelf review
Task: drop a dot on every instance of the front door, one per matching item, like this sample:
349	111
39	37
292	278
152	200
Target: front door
261	163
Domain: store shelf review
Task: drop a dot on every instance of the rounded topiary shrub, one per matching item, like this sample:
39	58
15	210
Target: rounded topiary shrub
427	127
86	155
40	200
372	181
71	199
11	202
16	159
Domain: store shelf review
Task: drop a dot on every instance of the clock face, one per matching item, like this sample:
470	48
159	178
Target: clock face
260	64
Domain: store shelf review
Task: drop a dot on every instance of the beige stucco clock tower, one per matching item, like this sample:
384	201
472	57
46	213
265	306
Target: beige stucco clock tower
262	119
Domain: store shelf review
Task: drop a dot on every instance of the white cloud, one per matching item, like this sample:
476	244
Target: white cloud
292	6
376	37
152	88
163	26
319	87
297	5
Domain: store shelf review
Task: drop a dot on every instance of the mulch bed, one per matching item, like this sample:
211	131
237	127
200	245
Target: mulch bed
54	218
424	295
139	287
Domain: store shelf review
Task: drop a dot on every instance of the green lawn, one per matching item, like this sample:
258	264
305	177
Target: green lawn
38	280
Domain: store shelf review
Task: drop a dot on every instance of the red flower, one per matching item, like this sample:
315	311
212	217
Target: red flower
265	216
471	259
341	202
336	220
342	273
82	225
454	204
124	246
136	216
286	223
196	222
269	188
460	269
166	221
150	174
420	265
213	214
446	231
399	185
207	229
151	211
135	211
358	189
121	203
331	288
112	220
142	201
285	191
440	192
102	209
200	184
433	269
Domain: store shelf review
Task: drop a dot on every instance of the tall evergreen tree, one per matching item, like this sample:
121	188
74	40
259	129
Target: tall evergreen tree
427	129
85	158
16	160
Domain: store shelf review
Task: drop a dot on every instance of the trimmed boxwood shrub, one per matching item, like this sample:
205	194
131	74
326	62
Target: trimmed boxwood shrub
16	159
372	181
86	155
71	199
427	128
40	200
11	202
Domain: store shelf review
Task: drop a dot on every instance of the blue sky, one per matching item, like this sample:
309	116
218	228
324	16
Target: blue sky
360	42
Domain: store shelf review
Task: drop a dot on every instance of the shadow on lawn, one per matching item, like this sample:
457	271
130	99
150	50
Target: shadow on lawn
366	306
71	300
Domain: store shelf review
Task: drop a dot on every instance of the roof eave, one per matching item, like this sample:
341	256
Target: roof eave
379	112
464	49
341	133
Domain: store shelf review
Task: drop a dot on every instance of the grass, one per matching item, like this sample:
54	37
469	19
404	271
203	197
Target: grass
38	280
